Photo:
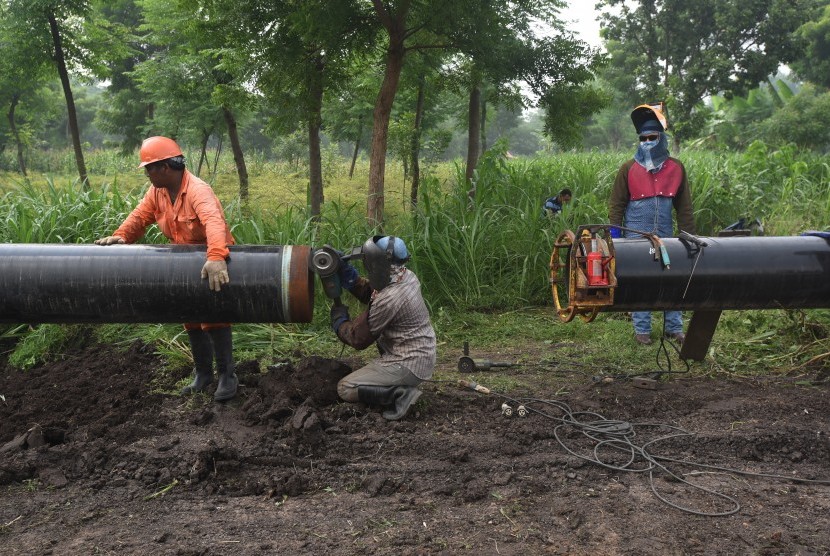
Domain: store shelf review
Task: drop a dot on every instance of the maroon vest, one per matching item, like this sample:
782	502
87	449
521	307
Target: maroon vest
663	183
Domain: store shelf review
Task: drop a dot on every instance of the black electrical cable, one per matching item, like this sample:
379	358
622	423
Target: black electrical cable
662	349
619	436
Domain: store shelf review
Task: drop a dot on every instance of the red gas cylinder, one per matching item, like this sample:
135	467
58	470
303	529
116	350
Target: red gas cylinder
596	270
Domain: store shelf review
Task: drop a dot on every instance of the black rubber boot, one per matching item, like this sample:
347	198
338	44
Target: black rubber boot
383	396
404	397
202	349
397	398
223	348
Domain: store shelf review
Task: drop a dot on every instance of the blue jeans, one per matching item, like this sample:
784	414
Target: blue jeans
642	321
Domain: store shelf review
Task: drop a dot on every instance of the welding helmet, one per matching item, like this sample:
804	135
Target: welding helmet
157	148
649	117
379	253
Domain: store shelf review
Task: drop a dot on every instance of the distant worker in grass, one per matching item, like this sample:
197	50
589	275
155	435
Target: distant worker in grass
396	319
645	191
554	205
187	212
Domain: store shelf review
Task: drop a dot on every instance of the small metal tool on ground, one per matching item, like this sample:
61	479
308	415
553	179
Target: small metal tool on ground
467	364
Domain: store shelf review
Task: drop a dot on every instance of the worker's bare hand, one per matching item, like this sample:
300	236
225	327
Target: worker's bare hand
216	273
109	240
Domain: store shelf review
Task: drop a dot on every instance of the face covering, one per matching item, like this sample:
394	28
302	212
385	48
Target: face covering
652	154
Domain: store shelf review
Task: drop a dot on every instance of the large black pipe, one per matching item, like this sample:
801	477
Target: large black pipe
47	283
731	273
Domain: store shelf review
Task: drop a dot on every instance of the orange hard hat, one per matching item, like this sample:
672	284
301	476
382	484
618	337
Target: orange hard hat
157	148
646	112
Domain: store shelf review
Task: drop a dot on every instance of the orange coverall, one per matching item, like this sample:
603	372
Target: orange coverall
196	218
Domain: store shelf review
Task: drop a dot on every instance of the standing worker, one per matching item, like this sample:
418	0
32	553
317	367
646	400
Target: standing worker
187	212
396	319
554	205
645	191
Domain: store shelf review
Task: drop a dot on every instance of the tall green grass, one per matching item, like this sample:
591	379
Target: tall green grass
787	189
490	251
71	214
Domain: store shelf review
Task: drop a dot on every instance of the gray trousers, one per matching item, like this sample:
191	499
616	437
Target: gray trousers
375	374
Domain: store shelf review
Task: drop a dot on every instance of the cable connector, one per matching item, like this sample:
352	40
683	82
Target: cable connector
521	411
506	410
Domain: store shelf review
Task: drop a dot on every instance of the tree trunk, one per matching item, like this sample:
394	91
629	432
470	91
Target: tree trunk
483	125
380	135
238	157
203	151
395	52
70	101
473	135
416	143
21	163
315	160
356	146
219	142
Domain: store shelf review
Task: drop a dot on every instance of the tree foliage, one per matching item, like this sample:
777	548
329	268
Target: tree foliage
75	38
493	38
128	109
684	51
195	55
737	121
814	63
24	71
294	53
562	73
804	121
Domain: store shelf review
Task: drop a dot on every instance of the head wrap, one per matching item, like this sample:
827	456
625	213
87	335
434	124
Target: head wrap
652	154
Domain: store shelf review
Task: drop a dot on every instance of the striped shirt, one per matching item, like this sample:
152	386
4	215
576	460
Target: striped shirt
399	317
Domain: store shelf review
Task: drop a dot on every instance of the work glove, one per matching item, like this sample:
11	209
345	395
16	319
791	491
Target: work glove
347	274
339	315
109	240
216	273
616	233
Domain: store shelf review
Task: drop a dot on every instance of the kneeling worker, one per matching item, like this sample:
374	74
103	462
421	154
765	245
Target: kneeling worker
396	319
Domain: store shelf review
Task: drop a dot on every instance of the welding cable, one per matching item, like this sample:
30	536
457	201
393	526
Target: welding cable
627	430
661	349
661	355
618	436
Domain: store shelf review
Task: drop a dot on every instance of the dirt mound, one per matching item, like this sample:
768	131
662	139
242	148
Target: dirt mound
92	460
90	392
275	395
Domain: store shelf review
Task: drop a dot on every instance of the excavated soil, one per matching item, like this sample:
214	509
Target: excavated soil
94	461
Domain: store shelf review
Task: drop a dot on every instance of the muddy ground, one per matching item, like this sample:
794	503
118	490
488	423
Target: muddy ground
92	461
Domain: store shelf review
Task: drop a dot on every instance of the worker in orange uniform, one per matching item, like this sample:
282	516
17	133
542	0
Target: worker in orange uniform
187	212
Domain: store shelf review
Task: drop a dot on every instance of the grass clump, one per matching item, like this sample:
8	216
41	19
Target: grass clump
791	342
46	342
